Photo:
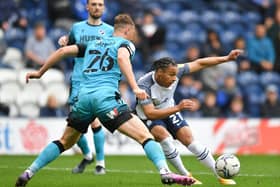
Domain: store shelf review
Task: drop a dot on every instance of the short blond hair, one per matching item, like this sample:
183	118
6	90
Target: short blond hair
123	20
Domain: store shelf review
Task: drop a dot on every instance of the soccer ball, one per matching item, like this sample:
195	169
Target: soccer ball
227	166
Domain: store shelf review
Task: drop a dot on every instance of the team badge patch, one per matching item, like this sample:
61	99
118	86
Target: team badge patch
102	32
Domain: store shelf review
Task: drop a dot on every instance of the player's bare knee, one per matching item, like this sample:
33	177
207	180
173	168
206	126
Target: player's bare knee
159	133
67	143
143	135
186	140
95	124
69	138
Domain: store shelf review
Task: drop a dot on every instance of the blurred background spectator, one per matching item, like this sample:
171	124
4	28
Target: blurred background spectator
260	50
52	108
4	110
213	45
243	61
236	109
38	47
227	92
274	34
209	107
271	106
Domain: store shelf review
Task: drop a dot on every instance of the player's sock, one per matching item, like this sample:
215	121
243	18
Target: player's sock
50	153
83	144
156	155
203	154
172	154
99	141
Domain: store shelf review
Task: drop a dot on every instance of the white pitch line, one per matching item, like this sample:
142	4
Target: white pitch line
139	171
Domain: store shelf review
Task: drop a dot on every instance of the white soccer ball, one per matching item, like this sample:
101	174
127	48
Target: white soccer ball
227	166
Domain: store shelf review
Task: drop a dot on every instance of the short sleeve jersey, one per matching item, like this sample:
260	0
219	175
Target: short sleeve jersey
160	97
84	33
100	66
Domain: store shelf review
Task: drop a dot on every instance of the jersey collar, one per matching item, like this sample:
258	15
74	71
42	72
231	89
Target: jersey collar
94	25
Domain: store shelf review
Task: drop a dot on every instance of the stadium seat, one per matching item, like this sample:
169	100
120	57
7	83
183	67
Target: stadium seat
14	110
267	78
209	17
186	37
228	37
13	58
251	17
238	29
175	7
25	97
9	91
33	88
167	16
15	38
172	31
56	33
52	75
188	16
7	75
29	110
254	96
230	17
247	78
21	76
59	89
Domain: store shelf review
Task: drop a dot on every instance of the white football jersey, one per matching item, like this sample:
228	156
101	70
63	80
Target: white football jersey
160	96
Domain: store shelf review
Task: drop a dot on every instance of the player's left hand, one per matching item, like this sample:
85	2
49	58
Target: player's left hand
32	75
63	41
234	54
140	94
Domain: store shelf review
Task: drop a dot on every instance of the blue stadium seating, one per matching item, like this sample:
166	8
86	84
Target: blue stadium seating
247	78
267	78
15	38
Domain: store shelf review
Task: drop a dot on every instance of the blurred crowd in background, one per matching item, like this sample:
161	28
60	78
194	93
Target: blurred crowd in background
182	29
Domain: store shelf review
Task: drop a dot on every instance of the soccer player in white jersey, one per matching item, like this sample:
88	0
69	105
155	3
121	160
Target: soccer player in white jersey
162	116
84	32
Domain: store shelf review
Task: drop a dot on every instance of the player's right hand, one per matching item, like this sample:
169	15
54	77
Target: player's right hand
32	75
140	94
187	104
63	41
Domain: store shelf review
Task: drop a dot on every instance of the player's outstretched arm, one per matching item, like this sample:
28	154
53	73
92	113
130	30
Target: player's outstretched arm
55	57
152	113
126	69
212	61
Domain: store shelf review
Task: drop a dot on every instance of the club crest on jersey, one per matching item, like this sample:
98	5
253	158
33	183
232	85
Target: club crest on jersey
158	102
102	32
113	113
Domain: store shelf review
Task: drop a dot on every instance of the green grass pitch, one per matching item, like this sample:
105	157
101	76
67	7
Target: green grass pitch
134	171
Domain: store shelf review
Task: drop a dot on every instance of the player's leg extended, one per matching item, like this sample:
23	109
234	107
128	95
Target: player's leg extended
49	154
88	159
83	144
99	141
136	129
202	153
171	153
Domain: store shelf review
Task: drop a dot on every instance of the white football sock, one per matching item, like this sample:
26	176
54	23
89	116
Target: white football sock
100	163
30	173
203	154
173	156
88	156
